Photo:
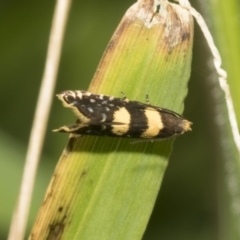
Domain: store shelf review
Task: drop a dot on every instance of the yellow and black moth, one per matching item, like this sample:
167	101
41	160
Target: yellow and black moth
103	115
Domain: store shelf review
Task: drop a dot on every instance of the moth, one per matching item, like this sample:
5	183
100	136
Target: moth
103	115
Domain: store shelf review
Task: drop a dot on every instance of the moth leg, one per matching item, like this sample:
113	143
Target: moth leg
69	129
150	140
147	100
124	98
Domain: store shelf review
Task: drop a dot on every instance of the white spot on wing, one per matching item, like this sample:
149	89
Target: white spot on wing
79	94
104	117
103	127
86	93
73	103
90	109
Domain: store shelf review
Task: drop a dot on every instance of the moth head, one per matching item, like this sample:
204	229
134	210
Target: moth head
68	98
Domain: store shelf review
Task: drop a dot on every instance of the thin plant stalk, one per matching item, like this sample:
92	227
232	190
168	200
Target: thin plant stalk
222	74
19	220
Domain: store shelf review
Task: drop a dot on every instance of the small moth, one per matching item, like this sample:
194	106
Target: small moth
103	115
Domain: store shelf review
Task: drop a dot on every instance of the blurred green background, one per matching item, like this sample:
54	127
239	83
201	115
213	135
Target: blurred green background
192	200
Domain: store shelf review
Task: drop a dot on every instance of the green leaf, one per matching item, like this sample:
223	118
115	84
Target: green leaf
105	188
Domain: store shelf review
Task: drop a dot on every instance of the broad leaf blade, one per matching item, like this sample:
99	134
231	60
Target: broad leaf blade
105	188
